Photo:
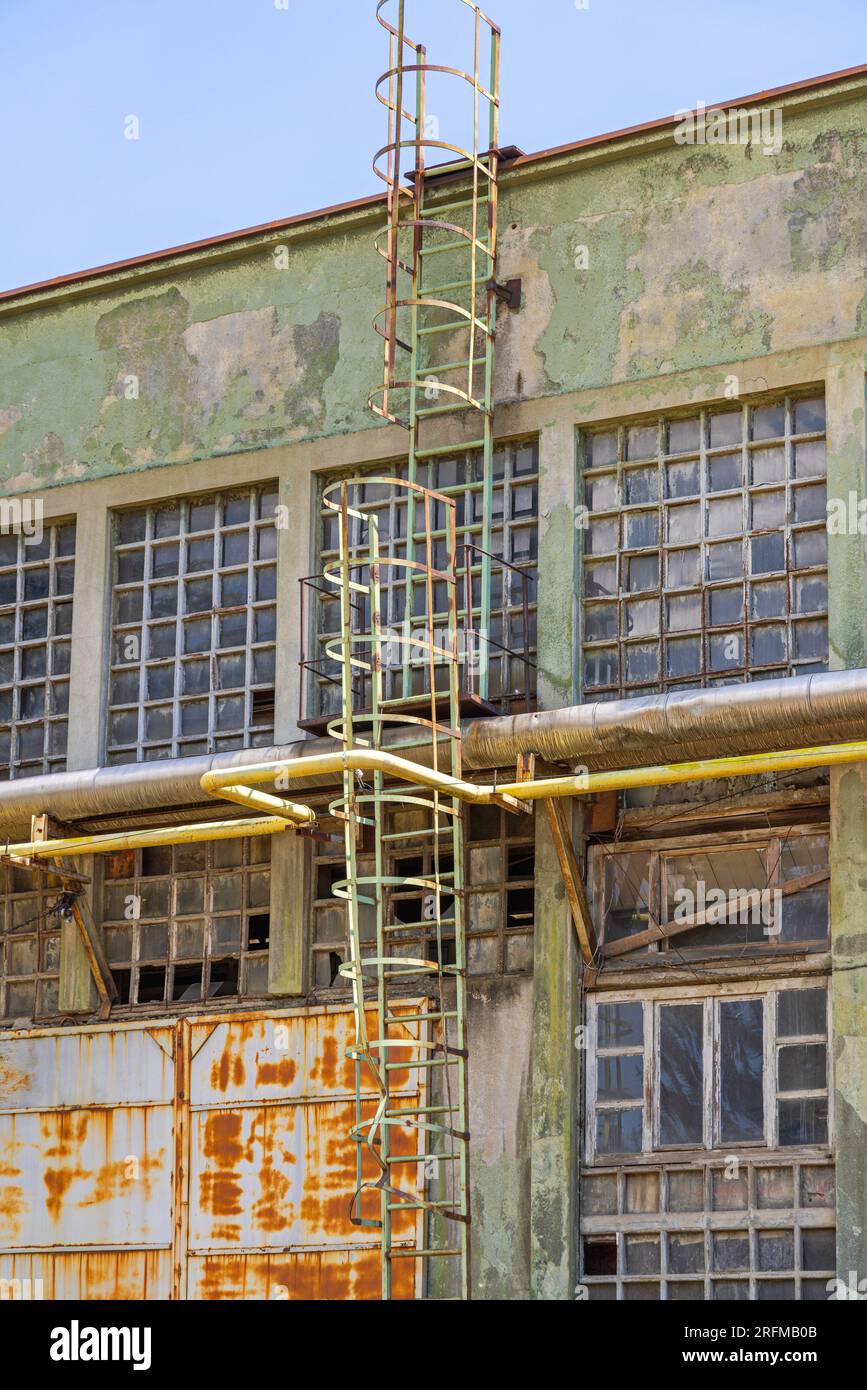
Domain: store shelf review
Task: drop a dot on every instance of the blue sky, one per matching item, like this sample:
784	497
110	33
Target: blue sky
250	110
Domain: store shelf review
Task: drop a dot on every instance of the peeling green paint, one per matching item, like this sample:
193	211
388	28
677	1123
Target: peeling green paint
697	255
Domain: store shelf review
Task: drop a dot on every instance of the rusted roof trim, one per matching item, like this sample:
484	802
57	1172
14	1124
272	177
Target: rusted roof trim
527	162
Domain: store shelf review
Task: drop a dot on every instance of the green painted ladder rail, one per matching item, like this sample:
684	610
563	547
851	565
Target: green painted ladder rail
429	1177
439	320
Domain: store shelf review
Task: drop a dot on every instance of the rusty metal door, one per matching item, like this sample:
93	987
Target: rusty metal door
198	1158
87	1159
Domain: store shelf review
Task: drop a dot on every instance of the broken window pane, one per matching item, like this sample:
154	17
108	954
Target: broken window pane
626	895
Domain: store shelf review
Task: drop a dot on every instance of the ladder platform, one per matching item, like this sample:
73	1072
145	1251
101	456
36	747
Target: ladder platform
471	707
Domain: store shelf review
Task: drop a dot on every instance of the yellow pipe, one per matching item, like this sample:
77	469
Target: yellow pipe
229	784
791	760
143	839
356	760
232	786
291	811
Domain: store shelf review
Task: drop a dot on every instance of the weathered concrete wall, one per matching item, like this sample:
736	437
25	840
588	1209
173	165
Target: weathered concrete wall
499	1029
847	573
697	255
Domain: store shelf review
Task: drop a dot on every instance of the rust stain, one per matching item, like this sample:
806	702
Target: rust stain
226	1068
68	1129
272	1210
13	1204
220	1191
330	1175
315	1276
276	1073
327	1063
69	1132
58	1182
11	1079
113	1179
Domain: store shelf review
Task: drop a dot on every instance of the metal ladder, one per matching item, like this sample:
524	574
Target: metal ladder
438	327
428	1176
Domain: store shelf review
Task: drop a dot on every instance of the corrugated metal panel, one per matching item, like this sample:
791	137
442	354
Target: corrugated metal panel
272	1169
204	1158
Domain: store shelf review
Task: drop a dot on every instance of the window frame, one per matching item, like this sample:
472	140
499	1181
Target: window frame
507	667
613	521
661	851
178	743
711	996
56	644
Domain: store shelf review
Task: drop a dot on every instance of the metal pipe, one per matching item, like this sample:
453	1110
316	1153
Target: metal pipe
352	760
143	839
799	711
290	811
709	769
511	794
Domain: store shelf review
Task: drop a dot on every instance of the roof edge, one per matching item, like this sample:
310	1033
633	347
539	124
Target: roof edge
371	200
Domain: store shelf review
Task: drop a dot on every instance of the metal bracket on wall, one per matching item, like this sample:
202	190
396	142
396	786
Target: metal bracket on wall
508	293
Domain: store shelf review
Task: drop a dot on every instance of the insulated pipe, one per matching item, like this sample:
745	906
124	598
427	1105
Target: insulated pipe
144	839
794	712
510	794
799	711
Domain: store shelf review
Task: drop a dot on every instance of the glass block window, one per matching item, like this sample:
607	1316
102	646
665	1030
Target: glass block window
515	537
30	942
751	1230
499	896
188	922
193	614
705	549
709	1071
36	580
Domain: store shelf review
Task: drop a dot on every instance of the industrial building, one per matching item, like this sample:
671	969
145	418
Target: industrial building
606	597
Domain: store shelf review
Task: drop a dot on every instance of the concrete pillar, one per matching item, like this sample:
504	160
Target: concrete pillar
87	699
89	637
295	551
555	1087
556	1081
847	574
290	853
